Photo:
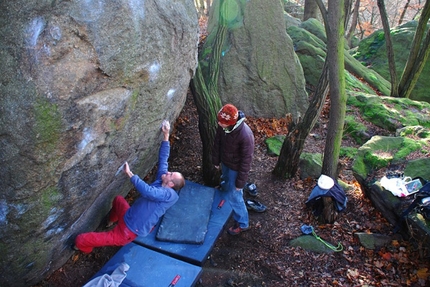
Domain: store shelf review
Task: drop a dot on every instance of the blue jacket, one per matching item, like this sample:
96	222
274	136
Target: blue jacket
336	193
154	199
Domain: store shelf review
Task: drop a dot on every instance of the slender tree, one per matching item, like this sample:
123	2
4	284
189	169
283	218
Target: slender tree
336	67
292	147
335	58
354	22
348	12
402	15
390	50
417	57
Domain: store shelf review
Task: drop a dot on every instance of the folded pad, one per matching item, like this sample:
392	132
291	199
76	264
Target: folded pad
187	220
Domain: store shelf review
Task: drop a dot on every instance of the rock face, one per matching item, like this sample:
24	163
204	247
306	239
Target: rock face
259	70
84	87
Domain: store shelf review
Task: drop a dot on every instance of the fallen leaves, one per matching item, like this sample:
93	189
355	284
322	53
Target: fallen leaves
423	273
385	255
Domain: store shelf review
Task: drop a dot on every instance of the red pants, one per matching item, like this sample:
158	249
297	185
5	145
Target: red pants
118	236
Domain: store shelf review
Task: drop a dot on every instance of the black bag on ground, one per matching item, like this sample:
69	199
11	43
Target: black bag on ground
421	202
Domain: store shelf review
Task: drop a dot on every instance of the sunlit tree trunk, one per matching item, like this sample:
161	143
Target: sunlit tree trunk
417	57
390	50
335	57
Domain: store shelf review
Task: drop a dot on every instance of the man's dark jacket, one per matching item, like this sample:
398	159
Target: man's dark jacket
235	149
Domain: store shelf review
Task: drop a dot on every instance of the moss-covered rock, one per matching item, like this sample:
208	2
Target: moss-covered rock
418	168
274	145
310	165
381	151
310	243
349	152
356	130
372	52
390	113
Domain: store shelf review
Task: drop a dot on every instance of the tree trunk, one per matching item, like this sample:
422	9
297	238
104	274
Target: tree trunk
329	213
348	10
354	23
200	7
292	147
208	6
402	16
207	104
414	66
335	57
204	87
419	64
311	10
390	51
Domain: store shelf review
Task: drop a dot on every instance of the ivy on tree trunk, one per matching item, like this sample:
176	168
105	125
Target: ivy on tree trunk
204	87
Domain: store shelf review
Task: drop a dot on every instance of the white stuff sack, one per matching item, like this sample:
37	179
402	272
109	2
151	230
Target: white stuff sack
395	185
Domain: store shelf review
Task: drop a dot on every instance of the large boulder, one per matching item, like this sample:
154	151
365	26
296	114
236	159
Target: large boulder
85	86
383	156
372	52
259	70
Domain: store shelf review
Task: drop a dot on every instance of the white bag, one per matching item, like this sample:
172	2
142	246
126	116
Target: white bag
396	185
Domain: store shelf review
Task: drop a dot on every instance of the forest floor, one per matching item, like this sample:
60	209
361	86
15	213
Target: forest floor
262	256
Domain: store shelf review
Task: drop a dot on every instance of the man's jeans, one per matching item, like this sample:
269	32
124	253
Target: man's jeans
233	196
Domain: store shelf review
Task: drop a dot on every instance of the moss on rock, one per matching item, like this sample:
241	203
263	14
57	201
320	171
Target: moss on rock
47	123
381	151
390	113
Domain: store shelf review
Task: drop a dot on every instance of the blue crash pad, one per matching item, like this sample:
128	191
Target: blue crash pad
193	253
187	220
151	269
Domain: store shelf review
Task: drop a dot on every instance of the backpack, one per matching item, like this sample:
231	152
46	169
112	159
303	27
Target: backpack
421	202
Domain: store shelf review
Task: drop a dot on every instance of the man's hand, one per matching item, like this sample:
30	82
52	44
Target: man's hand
165	127
127	170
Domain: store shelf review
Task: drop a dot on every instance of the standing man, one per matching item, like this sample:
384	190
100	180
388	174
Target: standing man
234	149
143	215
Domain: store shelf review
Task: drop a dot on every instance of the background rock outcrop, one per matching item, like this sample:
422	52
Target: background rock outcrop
84	87
372	52
259	71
